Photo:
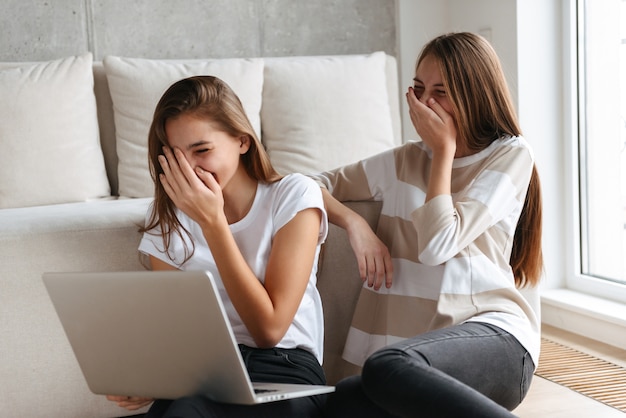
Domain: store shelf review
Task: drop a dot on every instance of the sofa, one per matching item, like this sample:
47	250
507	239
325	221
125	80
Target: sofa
75	187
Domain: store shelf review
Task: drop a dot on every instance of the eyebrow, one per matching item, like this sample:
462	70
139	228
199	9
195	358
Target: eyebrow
417	80
197	144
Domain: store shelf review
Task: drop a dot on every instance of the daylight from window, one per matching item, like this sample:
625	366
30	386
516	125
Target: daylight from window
602	125
622	66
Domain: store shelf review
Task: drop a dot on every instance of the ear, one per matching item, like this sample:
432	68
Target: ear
244	145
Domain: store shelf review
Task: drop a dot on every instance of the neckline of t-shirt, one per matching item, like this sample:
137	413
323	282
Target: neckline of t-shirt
249	217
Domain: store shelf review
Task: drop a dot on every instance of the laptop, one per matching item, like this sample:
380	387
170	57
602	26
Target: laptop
159	334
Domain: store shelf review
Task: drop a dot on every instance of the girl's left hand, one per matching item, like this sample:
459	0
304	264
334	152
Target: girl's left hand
131	403
433	124
196	193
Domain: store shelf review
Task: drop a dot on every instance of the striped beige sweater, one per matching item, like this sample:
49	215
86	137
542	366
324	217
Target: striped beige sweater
450	255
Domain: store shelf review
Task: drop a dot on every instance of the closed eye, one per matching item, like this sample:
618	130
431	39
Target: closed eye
200	147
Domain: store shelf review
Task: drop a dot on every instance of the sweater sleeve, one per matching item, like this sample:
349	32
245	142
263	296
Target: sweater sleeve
367	179
494	196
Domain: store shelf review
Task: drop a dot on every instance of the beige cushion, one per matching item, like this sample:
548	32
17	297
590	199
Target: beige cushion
136	86
323	112
49	134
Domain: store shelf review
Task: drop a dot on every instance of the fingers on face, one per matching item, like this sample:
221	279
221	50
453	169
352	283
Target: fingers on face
172	161
176	169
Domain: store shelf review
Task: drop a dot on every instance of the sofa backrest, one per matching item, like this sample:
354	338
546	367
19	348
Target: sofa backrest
107	123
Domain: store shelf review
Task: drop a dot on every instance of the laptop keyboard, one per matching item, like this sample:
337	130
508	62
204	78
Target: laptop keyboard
258	391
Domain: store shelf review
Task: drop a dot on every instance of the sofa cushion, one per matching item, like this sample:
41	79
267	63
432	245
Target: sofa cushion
49	134
323	112
136	85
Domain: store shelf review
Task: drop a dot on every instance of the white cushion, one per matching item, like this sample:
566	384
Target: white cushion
136	85
49	134
324	112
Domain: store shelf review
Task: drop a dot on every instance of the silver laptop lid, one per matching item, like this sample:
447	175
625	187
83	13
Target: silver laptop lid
184	334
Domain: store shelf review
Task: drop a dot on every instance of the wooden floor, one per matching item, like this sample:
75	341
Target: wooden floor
551	400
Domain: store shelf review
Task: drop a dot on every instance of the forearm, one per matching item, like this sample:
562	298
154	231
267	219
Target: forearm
339	214
371	253
268	307
440	179
244	289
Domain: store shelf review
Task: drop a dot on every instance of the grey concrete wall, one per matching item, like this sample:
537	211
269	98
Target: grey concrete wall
35	30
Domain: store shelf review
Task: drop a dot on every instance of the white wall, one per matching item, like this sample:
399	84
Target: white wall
540	97
418	21
495	20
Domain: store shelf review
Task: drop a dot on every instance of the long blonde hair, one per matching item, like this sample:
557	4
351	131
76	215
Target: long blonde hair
484	112
204	97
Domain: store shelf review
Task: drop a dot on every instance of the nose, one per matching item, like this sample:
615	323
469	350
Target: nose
424	97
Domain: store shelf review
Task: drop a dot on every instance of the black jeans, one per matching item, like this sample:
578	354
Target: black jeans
469	370
264	365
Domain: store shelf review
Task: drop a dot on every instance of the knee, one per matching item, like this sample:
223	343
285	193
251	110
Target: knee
379	369
346	399
387	368
192	406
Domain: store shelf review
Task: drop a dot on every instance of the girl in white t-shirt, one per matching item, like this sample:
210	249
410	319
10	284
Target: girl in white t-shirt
220	206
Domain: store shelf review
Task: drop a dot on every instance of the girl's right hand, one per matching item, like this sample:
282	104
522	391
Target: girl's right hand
371	253
131	403
432	123
196	193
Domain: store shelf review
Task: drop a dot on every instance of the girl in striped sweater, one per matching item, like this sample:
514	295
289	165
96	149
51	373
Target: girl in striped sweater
441	327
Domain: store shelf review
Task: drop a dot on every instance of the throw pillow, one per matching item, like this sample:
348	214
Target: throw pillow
324	112
49	134
136	86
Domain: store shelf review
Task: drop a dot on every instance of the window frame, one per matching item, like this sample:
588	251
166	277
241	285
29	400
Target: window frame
574	95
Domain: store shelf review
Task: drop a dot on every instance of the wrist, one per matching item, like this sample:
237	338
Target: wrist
446	151
213	224
355	222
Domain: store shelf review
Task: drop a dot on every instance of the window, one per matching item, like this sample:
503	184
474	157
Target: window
600	62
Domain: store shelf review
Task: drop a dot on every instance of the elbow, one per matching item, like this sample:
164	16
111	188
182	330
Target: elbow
269	338
435	253
434	258
430	259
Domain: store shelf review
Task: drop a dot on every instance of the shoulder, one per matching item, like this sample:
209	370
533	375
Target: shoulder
512	156
292	194
380	163
295	183
517	143
293	190
506	149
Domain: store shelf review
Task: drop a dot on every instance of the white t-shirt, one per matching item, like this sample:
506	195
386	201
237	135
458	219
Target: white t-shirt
274	206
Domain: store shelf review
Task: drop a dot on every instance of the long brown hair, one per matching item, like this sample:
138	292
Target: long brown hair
484	112
210	98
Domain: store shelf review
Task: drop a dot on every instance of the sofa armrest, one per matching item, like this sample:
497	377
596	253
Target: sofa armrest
339	285
37	358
